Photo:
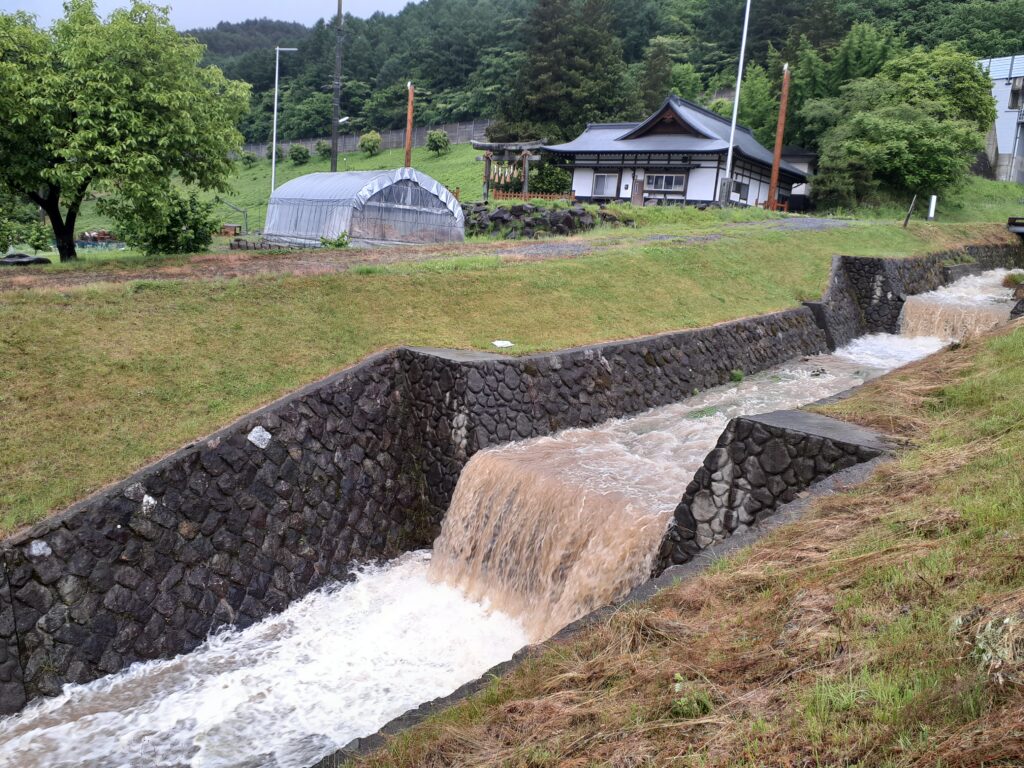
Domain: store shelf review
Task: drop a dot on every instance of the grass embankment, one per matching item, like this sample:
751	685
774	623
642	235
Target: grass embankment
978	200
886	629
98	380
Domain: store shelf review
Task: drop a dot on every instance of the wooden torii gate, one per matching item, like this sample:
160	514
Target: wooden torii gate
516	151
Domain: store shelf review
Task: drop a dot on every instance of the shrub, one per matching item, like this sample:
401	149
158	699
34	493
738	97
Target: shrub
341	241
369	143
248	159
549	179
173	223
736	375
438	142
280	153
298	154
323	149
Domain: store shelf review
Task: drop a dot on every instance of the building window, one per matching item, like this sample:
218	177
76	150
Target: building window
666	183
606	185
1017	95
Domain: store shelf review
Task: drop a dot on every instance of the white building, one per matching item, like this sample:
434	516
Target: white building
1005	145
677	155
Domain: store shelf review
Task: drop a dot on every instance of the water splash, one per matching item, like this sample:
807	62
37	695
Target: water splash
283	693
967	307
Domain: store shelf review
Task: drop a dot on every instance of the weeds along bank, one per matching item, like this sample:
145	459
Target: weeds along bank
358	466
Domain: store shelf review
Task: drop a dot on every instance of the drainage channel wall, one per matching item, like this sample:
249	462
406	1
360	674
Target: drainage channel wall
358	466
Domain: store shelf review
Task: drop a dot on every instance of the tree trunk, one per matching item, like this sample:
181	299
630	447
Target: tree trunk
63	226
64	232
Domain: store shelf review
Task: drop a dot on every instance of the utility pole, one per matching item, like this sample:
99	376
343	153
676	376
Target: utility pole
408	126
780	129
337	89
726	190
273	143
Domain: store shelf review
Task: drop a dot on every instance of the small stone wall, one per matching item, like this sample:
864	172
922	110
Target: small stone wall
760	463
525	220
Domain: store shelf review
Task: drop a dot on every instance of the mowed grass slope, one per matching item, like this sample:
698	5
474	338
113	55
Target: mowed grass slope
885	630
99	380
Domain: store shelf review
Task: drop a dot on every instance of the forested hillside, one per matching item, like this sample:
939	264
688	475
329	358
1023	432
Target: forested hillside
544	60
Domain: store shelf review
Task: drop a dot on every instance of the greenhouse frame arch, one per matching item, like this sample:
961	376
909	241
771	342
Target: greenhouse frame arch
393	206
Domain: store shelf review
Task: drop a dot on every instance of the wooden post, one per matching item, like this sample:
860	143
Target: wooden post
780	130
487	175
526	175
408	127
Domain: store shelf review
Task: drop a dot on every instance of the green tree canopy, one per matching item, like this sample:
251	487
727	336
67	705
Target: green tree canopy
121	106
914	127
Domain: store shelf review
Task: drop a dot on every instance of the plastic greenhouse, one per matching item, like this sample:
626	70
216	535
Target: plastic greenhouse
398	206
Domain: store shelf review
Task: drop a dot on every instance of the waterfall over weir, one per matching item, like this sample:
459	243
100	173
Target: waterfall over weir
967	307
551	528
538	533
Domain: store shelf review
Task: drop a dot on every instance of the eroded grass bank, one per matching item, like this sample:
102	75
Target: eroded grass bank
886	629
98	380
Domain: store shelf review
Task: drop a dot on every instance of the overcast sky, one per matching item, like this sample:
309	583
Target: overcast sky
187	14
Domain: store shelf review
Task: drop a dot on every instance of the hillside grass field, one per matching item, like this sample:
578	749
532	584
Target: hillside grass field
98	380
884	629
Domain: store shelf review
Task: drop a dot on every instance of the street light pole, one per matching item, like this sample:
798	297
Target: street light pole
726	191
273	148
337	90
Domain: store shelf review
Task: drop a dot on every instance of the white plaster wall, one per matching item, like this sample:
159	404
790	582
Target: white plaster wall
702	184
582	181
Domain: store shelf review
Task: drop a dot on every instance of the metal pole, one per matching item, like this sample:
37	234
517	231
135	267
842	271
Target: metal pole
273	145
780	130
727	182
273	141
337	90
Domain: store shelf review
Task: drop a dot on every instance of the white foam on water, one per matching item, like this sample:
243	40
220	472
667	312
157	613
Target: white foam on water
986	288
283	693
885	351
967	307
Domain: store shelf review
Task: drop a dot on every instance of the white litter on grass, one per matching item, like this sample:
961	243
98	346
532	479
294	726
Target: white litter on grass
259	437
501	343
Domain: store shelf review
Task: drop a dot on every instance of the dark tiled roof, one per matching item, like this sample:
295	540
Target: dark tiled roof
617	138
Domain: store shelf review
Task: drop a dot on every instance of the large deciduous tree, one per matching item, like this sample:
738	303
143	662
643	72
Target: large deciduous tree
914	127
120	106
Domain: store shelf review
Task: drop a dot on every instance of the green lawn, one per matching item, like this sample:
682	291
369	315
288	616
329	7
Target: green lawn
978	200
882	630
99	380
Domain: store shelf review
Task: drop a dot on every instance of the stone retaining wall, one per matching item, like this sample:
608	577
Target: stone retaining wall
359	466
760	463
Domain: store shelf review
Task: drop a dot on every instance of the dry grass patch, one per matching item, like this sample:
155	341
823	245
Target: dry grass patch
880	630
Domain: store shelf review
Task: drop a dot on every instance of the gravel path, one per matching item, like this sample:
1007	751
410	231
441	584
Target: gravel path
253	263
